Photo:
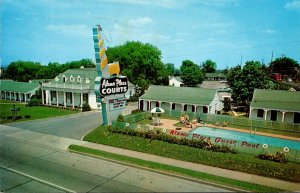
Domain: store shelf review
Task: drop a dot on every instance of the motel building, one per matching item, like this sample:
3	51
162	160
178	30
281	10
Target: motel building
73	88
18	91
184	99
276	105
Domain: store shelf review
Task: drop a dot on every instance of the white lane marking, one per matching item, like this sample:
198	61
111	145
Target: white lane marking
37	179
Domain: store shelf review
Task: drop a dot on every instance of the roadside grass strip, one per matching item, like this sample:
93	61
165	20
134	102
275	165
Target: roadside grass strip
208	178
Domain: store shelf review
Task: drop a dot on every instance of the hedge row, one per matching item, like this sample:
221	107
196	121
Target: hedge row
158	135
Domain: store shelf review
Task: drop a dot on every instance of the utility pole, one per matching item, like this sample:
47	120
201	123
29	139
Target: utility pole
241	59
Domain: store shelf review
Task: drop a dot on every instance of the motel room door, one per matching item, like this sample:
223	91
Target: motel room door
273	115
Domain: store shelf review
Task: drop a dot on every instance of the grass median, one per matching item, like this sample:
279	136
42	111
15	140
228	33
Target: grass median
174	170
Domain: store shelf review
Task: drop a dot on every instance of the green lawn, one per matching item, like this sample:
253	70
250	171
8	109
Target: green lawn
238	162
36	112
172	169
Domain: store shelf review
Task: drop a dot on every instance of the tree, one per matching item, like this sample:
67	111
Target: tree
22	71
244	80
209	66
191	73
140	62
170	69
285	66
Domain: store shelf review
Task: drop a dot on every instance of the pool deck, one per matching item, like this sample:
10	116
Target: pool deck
169	124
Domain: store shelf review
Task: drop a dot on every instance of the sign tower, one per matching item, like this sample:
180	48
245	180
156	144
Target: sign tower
110	86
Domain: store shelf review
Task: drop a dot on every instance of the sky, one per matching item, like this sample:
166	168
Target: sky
229	32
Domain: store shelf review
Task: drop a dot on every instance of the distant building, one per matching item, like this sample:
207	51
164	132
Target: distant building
222	88
18	91
175	81
275	105
185	99
73	88
215	76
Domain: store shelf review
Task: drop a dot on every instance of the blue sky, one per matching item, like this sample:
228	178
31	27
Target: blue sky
224	31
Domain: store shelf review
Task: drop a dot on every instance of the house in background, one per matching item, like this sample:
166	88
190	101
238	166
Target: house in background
175	81
275	105
184	99
215	76
73	88
18	91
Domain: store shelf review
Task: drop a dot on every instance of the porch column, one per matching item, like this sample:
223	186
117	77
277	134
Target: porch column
25	98
20	97
65	102
43	100
56	98
182	107
81	99
265	114
208	110
250	113
171	106
9	95
15	96
283	113
50	97
73	100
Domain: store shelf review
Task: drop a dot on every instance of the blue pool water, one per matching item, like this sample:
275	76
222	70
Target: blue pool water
239	136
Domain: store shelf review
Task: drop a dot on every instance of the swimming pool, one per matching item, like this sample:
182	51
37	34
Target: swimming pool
231	136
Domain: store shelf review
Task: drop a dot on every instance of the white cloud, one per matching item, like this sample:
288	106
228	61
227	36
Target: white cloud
160	3
295	4
140	21
74	30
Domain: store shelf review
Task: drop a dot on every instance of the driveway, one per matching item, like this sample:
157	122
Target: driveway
73	126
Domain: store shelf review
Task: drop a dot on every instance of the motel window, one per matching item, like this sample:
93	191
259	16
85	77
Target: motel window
173	106
71	79
64	79
78	79
260	113
185	108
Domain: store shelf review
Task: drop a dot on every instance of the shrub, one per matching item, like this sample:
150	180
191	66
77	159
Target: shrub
121	118
86	107
18	117
9	117
278	157
158	135
134	98
34	102
27	116
136	111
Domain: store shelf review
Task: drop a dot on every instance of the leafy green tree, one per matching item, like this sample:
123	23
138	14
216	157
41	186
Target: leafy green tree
22	71
285	66
170	69
140	62
209	66
191	73
244	80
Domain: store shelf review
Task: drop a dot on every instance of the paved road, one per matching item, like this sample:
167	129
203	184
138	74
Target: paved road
41	163
73	126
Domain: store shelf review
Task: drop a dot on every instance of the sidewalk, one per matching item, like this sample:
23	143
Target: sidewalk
289	186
